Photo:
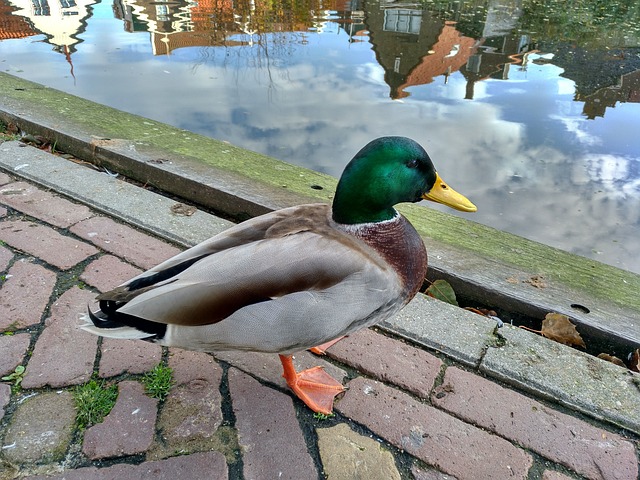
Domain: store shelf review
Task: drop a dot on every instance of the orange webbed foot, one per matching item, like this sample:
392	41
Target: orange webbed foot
321	349
315	387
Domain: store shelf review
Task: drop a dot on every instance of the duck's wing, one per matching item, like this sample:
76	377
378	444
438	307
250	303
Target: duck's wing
301	266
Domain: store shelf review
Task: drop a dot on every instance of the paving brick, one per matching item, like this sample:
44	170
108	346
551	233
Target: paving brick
192	411
131	356
4	178
347	455
45	243
62	344
388	360
128	429
5	396
40	429
134	246
13	348
200	466
108	272
551	475
3	211
267	366
429	474
6	256
43	205
436	438
268	431
589	451
24	295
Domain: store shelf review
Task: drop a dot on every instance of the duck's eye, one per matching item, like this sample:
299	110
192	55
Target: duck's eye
413	163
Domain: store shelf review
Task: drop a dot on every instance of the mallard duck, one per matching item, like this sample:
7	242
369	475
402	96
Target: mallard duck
293	278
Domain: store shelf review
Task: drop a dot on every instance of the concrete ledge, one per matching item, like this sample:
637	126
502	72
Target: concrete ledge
483	264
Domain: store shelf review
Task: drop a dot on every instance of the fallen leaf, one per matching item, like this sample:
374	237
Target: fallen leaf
536	281
441	290
635	361
559	328
485	312
612	359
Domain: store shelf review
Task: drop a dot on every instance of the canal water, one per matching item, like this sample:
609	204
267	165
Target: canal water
529	107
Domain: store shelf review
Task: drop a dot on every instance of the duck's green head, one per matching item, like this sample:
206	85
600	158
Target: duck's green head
388	171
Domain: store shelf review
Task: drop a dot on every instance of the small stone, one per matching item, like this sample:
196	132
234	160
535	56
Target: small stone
40	430
346	455
128	429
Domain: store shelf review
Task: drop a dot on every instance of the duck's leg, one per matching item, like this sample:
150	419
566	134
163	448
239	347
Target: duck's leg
313	386
321	349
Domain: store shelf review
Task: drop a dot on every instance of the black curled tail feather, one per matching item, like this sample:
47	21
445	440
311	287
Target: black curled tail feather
108	317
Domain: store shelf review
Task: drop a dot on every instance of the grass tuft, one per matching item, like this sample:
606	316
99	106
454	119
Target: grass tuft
94	400
158	381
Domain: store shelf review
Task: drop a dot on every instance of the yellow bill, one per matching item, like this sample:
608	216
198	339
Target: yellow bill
443	193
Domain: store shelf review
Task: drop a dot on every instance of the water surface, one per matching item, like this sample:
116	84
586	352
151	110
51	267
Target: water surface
529	109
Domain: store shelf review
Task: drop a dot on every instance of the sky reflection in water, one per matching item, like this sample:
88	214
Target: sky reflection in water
521	149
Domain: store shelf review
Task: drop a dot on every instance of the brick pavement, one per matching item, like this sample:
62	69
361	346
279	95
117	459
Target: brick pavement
408	412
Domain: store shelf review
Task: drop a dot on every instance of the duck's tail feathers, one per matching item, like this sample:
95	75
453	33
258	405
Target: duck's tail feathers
100	324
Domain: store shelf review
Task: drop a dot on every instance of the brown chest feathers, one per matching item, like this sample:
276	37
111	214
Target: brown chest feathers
402	247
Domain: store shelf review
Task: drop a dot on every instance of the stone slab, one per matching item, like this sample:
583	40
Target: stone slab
13	348
459	334
388	360
595	387
347	455
43	205
53	347
4	178
108	272
268	431
585	449
112	196
128	429
192	411
134	246
24	295
436	438
45	243
200	466
131	356
40	429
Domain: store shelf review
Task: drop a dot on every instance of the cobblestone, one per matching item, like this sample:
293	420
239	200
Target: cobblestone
44	205
130	356
44	242
13	348
24	295
589	451
436	438
271	440
108	272
72	365
134	246
128	429
40	430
